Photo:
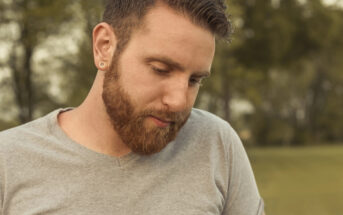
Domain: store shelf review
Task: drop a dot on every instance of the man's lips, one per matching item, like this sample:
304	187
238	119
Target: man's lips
160	122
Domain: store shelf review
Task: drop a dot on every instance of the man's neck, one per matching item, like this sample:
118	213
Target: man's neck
89	125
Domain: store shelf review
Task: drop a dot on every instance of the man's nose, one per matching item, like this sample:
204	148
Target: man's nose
175	96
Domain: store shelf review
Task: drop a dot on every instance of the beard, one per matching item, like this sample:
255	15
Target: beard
129	123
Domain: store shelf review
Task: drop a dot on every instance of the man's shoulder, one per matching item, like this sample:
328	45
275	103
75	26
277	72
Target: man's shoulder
206	121
36	129
205	127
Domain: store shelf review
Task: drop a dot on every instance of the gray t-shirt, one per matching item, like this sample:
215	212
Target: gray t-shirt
204	171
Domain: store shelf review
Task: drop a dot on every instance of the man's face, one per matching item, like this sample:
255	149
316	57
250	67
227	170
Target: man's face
152	85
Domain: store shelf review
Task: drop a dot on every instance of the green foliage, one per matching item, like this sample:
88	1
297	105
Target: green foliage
81	66
33	22
285	59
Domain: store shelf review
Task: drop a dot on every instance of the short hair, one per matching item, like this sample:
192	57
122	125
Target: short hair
126	15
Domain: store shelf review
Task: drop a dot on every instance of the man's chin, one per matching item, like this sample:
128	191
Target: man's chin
154	140
149	149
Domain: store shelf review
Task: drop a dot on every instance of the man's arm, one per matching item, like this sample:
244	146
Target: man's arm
243	197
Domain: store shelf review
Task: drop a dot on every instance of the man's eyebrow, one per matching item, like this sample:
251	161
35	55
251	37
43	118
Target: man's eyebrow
203	74
175	65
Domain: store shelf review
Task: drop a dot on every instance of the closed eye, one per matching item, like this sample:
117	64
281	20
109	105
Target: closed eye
160	71
193	81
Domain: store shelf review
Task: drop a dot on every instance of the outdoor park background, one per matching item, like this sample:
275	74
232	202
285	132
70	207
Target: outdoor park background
279	82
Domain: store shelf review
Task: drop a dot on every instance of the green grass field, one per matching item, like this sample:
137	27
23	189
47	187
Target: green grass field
300	181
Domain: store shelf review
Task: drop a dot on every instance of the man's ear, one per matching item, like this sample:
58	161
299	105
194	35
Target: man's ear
104	45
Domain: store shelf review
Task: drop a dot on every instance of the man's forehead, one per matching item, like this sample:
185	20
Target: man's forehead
172	38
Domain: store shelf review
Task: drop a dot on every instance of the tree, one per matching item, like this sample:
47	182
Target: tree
31	23
81	65
284	60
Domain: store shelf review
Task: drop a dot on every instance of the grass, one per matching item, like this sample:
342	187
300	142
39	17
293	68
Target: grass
294	181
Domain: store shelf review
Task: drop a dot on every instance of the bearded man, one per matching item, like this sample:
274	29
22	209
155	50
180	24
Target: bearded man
135	145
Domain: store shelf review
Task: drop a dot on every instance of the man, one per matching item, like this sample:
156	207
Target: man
135	145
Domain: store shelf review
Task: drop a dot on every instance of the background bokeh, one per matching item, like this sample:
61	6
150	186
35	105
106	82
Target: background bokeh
279	82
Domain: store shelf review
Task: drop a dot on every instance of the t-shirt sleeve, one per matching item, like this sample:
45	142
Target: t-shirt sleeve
243	197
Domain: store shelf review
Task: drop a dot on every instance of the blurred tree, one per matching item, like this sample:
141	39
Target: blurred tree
29	23
284	59
81	64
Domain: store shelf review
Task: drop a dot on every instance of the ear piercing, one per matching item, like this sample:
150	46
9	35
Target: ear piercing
102	65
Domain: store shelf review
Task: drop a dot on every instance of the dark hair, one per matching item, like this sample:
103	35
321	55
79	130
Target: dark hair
126	15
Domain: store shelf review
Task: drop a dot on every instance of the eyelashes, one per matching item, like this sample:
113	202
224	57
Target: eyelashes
193	80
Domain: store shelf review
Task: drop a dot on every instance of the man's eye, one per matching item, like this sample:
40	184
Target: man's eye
195	81
160	71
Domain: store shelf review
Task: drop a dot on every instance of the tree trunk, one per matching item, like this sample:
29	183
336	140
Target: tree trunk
22	75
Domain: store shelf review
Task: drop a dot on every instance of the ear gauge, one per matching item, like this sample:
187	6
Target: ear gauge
102	65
